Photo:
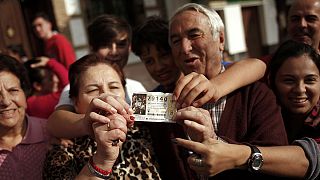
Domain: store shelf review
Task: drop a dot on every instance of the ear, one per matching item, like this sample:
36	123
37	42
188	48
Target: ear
75	106
129	47
221	40
37	86
50	25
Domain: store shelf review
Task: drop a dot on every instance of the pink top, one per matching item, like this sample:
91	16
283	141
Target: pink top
25	161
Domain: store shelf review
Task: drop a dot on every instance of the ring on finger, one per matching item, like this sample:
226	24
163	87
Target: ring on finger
198	162
108	126
115	142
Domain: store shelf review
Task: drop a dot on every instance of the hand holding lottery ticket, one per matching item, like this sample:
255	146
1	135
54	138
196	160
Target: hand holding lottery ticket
153	107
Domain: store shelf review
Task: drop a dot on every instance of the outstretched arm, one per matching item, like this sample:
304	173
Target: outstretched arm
195	89
237	75
217	156
65	123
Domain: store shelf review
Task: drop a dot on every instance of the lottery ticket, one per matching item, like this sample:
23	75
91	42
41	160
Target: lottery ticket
153	107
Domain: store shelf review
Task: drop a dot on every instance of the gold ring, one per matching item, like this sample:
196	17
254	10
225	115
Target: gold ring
115	142
108	126
198	162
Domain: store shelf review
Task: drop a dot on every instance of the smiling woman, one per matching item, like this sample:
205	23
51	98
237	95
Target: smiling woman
22	137
294	77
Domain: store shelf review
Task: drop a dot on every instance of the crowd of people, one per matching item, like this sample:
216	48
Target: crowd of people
62	118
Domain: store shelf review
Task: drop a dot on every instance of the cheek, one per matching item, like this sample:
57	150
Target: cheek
103	52
282	91
120	93
123	51
21	101
82	104
316	95
151	70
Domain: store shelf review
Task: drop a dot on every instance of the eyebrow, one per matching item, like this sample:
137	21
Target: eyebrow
114	82
189	31
194	30
122	40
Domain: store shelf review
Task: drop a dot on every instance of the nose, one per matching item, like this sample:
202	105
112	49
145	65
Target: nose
113	48
104	89
159	66
303	22
300	88
4	99
186	45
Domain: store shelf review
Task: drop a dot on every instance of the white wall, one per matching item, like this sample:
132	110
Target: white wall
172	5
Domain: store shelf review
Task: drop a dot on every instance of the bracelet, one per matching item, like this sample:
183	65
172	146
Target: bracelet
98	172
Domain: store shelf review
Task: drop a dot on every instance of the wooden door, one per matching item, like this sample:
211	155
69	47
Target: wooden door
12	26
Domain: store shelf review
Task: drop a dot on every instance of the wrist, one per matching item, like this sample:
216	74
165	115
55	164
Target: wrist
97	171
86	126
102	162
242	154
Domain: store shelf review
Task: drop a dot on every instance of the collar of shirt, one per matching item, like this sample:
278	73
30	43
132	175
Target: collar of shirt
36	130
215	109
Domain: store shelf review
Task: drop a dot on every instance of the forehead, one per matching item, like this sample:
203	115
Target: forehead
100	71
8	78
40	20
188	20
123	35
306	7
149	48
297	64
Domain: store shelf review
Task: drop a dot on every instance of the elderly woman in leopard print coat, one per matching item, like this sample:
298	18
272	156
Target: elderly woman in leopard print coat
111	140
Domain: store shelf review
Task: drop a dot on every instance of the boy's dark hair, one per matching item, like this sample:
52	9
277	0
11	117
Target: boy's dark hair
17	48
41	15
153	31
105	28
38	74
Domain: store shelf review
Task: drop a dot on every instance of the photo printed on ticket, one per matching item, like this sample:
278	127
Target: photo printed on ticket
153	107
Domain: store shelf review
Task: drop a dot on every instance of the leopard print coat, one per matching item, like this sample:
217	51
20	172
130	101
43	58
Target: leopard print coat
136	159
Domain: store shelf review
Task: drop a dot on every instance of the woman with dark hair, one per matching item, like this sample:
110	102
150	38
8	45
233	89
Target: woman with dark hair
125	151
295	79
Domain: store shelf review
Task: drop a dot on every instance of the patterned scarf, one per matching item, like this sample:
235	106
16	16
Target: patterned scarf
313	121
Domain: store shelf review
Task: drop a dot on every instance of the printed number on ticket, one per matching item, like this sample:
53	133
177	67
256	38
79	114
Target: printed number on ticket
153	107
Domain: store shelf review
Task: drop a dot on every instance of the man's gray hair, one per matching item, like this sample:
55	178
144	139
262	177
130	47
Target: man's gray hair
214	19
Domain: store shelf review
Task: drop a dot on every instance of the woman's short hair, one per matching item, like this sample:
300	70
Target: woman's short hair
287	50
77	69
11	65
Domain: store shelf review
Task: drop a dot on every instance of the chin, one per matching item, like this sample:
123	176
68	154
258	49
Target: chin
300	111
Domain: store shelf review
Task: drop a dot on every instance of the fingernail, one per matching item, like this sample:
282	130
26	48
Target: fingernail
195	104
124	111
184	105
132	118
113	110
174	141
187	122
131	111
